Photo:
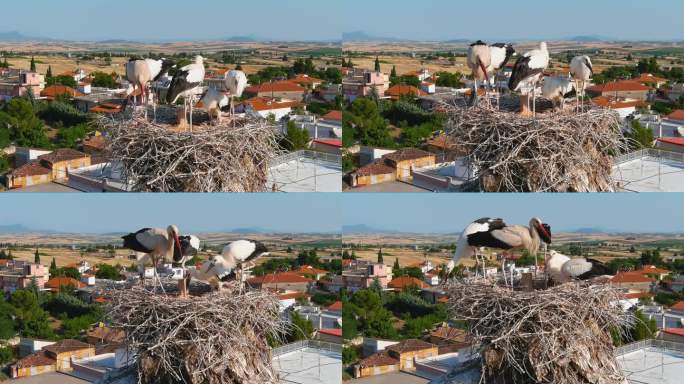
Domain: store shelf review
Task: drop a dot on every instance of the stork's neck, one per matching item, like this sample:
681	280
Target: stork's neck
170	243
536	240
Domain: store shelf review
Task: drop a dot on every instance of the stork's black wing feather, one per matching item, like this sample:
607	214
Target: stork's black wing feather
521	71
131	241
166	65
179	84
485	238
597	269
588	64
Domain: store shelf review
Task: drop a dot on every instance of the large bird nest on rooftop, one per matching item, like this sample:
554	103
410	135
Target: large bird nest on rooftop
214	338
233	156
555	152
558	335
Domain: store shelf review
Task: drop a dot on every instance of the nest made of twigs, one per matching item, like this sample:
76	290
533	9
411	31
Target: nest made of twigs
231	156
214	338
558	335
562	151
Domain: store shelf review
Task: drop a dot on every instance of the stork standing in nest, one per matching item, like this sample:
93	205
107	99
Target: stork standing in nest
236	255
235	81
155	244
140	72
185	83
527	72
478	60
581	70
495	233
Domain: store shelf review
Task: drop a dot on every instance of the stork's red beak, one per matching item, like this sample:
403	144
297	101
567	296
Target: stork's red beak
544	233
175	238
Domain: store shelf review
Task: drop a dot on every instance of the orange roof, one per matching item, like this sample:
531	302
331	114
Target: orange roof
617	86
282	277
38	359
443	299
291	295
331	331
57	282
107	108
306	79
378	359
400	90
267	103
637	295
648	78
676	115
674	331
406	281
276	86
612	103
653	269
679	306
307	269
333	115
377	167
631	277
31	169
58	89
336	306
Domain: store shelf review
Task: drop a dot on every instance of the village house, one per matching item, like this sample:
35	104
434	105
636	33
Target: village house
330	335
17	274
19	84
623	89
406	282
672	144
363	274
399	356
307	81
624	107
395	92
651	80
54	357
671	334
431	277
653	271
327	93
63	160
311	272
406	159
449	339
266	106
373	173
55	284
331	146
633	281
678	308
282	89
360	83
54	91
281	280
676	117
421	74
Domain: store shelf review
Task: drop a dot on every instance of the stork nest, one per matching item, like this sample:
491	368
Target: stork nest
555	152
215	338
558	335
233	156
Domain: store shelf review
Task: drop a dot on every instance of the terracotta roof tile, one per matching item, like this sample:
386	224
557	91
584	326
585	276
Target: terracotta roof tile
31	169
267	103
378	359
38	359
676	115
631	277
56	90
331	331
672	140
66	345
410	345
333	115
407	154
336	306
406	281
400	90
612	103
62	154
276	86
618	86
306	79
282	277
378	167
679	306
57	282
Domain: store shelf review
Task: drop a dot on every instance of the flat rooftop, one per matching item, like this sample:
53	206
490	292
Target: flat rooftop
389	186
309	366
650	174
305	171
45	187
393	378
50	378
653	365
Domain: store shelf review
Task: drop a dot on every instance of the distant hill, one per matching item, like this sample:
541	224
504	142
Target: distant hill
250	230
245	39
360	36
20	228
118	41
363	228
589	38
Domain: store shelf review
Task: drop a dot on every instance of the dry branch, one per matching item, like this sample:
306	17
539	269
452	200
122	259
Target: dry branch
233	156
556	152
559	335
214	338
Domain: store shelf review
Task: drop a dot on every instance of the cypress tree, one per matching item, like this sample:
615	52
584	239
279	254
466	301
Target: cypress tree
36	257
380	260
377	64
33	64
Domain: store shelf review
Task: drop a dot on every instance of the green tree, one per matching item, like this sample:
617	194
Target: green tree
393	73
104	80
33	64
7	324
640	136
380	260
106	271
24	127
62	80
53	267
48	74
396	268
296	138
643	328
448	79
32	320
349	355
363	123
377	64
300	328
36	257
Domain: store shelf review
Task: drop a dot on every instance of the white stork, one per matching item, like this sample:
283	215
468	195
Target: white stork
185	82
562	269
581	70
189	246
140	72
235	81
478	60
557	89
527	72
500	54
156	243
234	255
212	101
494	233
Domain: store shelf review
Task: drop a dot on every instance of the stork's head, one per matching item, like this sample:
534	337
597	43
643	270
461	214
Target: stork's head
199	59
510	51
173	232
236	81
543	229
542	46
261	249
189	245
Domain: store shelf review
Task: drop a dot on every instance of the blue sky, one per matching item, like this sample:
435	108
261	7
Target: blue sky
520	19
100	213
173	19
426	213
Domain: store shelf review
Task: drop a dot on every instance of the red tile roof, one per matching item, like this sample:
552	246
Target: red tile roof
62	154
679	306
107	108
676	115
648	78
267	103
653	269
674	331
38	359
637	295
406	281
282	277
377	167
31	169
400	90
672	140
56	90
407	154
410	345
631	277
306	79
618	86
333	115
336	306
333	332
276	86
309	270
67	345
378	359
57	282
612	103
331	142
291	295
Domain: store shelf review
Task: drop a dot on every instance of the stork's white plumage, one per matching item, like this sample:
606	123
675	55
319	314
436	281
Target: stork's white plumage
554	266
528	70
213	271
581	70
140	72
157	243
235	81
500	54
562	269
495	233
234	255
557	89
212	101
